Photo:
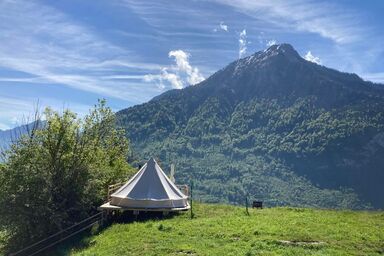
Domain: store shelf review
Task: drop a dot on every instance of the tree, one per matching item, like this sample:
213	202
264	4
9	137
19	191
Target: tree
58	173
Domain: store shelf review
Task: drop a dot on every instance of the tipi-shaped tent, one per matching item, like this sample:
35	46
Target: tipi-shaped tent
149	189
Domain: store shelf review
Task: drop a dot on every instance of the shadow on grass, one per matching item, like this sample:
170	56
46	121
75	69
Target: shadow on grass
129	217
85	239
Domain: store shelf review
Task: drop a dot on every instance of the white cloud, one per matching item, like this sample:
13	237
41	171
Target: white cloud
172	78
164	75
184	72
311	58
242	43
23	80
182	63
223	26
271	42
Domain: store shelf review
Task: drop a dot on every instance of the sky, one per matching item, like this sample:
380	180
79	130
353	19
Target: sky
69	53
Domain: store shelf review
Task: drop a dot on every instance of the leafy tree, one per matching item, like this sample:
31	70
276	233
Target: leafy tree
58	174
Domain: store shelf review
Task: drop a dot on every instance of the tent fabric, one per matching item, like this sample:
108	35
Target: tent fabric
149	188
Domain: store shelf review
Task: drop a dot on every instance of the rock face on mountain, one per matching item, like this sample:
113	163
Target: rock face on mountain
271	125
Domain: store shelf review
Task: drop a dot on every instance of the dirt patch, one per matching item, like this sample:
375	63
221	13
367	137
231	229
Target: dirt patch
186	252
301	243
235	238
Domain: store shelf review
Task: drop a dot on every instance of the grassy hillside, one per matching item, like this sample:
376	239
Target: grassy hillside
227	230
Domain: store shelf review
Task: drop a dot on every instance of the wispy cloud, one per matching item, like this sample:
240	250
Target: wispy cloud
53	48
374	77
309	57
271	42
23	80
242	43
194	17
18	111
222	27
327	20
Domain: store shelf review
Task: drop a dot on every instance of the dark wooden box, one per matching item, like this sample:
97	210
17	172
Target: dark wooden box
257	204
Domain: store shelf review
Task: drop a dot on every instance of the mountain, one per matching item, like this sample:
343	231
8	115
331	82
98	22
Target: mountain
273	126
7	137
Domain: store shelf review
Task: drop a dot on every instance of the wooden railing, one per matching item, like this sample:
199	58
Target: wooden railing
184	189
112	189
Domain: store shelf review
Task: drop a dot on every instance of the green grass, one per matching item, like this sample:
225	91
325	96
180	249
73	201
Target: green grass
2	241
227	230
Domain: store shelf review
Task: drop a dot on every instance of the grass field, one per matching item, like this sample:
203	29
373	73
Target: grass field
2	241
227	230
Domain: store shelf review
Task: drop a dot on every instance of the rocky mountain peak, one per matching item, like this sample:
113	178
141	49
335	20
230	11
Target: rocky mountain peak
278	53
282	49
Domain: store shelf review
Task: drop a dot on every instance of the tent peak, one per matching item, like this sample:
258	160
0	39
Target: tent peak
152	162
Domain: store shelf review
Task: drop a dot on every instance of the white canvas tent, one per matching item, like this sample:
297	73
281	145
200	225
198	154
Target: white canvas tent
149	189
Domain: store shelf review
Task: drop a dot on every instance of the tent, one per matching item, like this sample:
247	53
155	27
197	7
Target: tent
149	189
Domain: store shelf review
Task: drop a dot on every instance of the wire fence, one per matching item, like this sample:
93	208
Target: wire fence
60	236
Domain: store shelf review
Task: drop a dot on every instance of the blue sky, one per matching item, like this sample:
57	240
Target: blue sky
69	53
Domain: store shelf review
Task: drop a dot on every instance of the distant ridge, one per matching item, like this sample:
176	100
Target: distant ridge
7	137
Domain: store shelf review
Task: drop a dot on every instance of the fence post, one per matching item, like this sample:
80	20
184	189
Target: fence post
191	200
246	204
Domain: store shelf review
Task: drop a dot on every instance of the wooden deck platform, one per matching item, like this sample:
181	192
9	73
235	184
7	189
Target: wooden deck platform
109	207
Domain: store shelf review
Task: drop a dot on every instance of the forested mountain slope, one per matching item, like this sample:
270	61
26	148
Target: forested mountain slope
284	130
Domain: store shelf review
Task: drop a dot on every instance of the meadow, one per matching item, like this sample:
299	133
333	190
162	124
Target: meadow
228	230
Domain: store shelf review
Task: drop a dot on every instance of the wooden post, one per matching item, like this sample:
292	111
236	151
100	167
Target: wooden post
102	219
246	204
172	174
191	199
